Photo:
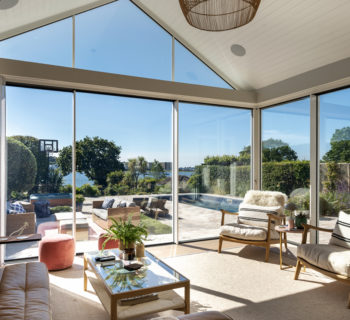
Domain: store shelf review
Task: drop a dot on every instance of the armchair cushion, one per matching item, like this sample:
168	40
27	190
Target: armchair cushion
332	258
256	215
341	232
246	232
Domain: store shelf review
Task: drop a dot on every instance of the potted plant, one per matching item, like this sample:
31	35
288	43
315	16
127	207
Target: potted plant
79	199
127	234
300	218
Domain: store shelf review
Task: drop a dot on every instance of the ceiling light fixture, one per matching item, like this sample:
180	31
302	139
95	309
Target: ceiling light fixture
219	15
7	4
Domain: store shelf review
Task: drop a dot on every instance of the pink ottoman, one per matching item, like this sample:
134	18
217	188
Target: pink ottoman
111	244
57	251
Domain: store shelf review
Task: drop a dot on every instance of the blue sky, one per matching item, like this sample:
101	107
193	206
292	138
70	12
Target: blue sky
119	38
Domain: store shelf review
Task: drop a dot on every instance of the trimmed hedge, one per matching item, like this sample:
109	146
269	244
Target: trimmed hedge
282	176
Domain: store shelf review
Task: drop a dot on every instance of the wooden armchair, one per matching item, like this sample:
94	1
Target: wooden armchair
256	222
318	257
262	243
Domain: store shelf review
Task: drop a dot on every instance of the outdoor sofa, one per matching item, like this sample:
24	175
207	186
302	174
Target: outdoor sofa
14	221
101	216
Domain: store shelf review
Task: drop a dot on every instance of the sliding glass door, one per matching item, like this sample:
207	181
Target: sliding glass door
334	168
214	166
38	128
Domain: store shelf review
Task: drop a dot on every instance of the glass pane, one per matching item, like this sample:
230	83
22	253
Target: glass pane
51	44
189	69
120	38
39	126
286	155
124	154
214	166
334	158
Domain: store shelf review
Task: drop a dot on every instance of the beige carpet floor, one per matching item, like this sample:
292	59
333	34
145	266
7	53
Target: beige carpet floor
237	282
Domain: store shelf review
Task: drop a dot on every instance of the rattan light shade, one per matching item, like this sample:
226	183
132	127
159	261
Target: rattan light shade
219	15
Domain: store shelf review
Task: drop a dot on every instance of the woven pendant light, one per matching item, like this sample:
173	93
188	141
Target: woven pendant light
219	15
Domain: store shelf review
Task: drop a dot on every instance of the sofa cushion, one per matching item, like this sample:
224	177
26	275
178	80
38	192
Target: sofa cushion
107	203
246	232
341	232
256	215
332	258
101	213
14	208
24	292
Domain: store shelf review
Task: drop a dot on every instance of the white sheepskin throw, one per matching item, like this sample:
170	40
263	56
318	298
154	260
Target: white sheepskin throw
265	198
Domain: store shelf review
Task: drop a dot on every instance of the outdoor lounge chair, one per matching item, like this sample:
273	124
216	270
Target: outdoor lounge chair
258	215
333	259
157	206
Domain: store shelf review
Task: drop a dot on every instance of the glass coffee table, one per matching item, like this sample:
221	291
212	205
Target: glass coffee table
117	287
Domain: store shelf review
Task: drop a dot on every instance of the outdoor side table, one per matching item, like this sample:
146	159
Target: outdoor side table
283	230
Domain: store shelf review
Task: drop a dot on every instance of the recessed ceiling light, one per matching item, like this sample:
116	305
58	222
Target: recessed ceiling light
7	4
238	50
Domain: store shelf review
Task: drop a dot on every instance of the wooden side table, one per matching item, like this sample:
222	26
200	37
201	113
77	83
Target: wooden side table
283	230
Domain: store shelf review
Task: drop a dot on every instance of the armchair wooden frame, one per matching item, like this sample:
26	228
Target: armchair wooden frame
301	262
263	243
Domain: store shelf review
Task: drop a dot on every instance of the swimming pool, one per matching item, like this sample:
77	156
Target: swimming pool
208	201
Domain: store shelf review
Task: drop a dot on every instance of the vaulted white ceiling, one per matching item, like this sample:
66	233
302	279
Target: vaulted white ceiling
286	38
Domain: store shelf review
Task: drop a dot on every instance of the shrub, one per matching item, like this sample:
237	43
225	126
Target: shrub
88	190
66	189
115	189
61	209
115	177
22	167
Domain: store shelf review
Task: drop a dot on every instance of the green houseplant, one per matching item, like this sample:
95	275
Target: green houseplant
79	199
127	234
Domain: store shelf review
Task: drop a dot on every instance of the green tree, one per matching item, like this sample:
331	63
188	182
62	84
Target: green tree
340	146
279	154
136	167
54	180
96	157
41	159
157	170
22	167
339	152
272	150
341	134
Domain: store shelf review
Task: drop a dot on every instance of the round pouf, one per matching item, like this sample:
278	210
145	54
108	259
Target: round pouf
111	244
57	251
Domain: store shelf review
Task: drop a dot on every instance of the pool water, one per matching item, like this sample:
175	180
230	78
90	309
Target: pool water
211	202
208	201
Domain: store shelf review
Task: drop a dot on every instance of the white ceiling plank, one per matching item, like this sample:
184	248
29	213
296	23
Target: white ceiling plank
286	38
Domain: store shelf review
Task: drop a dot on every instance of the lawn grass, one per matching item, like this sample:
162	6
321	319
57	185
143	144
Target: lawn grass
154	226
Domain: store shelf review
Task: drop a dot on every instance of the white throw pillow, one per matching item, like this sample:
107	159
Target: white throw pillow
341	231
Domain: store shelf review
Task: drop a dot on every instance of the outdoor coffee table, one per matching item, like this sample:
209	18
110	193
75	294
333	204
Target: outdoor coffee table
114	283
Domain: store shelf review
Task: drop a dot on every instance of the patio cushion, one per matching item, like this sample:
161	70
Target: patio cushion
101	213
255	215
332	258
341	232
107	203
246	232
